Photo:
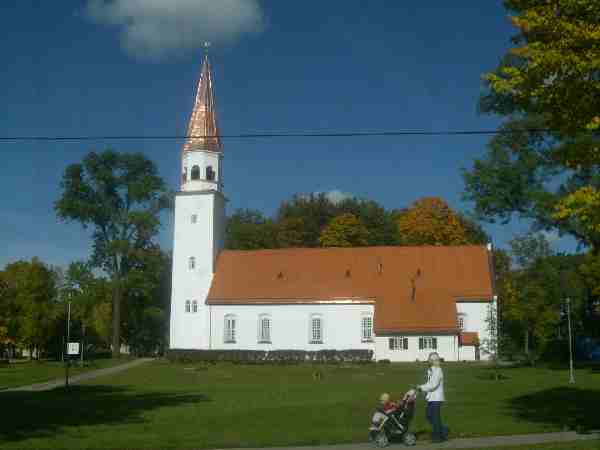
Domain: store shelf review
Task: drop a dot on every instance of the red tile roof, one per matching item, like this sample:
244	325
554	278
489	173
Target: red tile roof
414	288
469	338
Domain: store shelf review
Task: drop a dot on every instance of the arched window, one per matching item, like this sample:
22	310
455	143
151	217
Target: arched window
366	327
192	263
315	329
264	329
195	306
229	329
210	173
187	306
195	173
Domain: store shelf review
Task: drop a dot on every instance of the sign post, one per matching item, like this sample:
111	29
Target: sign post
571	375
68	359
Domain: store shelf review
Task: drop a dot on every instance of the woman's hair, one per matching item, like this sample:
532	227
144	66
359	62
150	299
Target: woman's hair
434	357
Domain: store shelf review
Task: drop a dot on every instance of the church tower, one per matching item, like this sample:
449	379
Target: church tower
199	221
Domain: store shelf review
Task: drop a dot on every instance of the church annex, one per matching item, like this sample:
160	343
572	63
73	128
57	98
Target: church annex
400	302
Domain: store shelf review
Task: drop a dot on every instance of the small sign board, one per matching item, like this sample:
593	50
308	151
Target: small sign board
73	348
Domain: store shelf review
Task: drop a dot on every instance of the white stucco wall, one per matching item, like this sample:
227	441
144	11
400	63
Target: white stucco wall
475	315
290	326
198	240
447	348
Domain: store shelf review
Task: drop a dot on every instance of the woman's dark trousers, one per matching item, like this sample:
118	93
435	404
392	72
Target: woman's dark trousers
440	432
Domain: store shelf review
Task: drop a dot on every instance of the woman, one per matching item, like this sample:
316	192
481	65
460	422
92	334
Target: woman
434	393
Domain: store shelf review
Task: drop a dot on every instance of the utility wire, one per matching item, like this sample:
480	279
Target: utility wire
270	135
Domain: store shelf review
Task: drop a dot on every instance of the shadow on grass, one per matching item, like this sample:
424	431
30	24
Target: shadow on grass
565	407
38	414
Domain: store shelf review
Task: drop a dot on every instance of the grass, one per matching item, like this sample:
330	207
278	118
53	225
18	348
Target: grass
21	373
163	405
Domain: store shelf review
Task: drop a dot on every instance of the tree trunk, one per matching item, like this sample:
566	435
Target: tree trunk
526	349
116	320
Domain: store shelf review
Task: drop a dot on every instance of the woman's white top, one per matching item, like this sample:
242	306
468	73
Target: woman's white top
434	388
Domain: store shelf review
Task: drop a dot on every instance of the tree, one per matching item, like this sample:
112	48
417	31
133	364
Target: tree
345	230
30	294
315	211
547	87
291	232
554	66
120	196
87	292
248	229
430	221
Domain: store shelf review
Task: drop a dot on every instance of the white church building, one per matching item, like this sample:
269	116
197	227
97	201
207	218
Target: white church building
400	302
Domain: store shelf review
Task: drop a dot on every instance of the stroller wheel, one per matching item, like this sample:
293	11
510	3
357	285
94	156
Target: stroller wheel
381	439
409	439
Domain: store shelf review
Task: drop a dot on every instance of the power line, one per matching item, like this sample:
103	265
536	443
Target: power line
271	135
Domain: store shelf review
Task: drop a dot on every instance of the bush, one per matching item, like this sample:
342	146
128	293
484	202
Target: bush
270	357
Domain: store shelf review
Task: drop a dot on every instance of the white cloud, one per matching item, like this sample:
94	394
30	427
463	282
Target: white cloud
154	29
336	196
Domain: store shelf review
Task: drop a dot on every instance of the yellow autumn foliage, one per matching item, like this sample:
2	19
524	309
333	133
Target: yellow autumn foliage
430	221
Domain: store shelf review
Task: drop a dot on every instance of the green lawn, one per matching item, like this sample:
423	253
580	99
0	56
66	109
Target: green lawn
163	405
21	373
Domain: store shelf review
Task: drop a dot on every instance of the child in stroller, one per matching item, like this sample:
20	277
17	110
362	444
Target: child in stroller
391	420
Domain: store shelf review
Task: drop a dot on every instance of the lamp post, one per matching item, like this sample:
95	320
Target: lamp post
571	375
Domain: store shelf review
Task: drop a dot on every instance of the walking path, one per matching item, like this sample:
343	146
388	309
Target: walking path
48	385
465	443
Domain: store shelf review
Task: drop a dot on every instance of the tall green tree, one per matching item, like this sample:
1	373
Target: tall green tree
345	230
249	229
120	196
30	296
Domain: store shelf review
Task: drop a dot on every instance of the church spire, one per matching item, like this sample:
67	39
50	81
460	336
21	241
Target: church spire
203	127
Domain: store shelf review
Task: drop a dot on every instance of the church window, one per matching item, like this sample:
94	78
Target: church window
366	328
316	329
230	324
210	173
187	306
398	343
195	306
264	329
461	321
194	218
195	173
427	343
192	263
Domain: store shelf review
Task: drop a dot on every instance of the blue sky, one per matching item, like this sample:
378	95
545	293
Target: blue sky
130	67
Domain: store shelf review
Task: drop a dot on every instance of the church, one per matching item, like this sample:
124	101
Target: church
400	302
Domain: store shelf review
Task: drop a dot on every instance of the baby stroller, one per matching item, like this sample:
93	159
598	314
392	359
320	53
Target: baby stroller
393	425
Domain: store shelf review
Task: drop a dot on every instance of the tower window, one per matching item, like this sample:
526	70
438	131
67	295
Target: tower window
195	306
195	173
194	218
187	306
192	263
210	173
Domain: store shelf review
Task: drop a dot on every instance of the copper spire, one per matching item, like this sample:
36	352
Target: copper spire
203	127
